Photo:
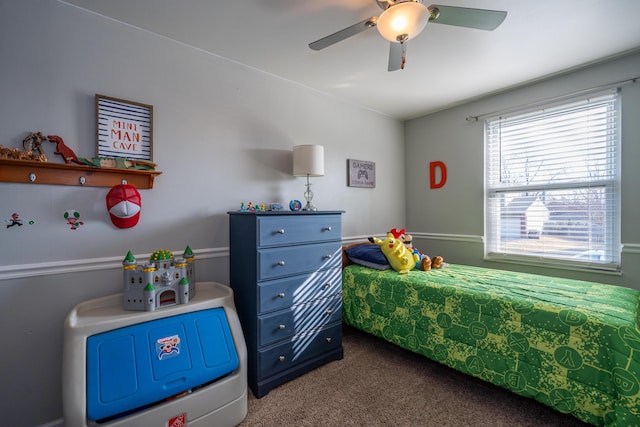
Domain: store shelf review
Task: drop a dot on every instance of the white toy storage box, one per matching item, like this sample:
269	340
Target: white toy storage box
183	365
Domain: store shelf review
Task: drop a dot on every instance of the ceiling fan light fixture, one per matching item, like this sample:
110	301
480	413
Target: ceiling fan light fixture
402	21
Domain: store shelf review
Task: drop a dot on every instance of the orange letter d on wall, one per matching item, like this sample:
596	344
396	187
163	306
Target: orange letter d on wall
433	167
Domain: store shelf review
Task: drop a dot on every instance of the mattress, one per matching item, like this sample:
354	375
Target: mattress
570	344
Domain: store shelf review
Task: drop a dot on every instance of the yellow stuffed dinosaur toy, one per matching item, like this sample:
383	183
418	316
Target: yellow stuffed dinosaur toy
399	257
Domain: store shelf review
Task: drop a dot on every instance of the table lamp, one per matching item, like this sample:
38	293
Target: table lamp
308	160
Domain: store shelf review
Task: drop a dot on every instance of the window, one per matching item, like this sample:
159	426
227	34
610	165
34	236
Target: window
552	184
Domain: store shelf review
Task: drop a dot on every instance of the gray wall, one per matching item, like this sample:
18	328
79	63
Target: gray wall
222	135
449	221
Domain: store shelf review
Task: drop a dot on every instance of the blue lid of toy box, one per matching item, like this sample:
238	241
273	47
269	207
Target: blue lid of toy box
132	367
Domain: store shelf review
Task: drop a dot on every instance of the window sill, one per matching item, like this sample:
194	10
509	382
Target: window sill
605	269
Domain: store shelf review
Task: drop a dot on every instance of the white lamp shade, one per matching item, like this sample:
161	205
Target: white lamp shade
308	160
408	18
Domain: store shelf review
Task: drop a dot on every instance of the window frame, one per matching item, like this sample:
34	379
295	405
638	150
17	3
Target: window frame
494	243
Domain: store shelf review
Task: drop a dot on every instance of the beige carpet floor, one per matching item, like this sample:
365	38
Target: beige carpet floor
380	384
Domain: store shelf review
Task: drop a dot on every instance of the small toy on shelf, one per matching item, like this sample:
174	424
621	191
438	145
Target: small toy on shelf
118	162
33	149
34	142
250	207
295	205
62	149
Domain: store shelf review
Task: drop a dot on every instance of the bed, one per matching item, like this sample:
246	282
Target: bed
572	345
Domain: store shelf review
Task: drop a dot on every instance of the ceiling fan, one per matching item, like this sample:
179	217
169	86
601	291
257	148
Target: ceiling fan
403	20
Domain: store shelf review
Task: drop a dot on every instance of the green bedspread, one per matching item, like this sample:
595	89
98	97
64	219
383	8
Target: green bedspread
570	344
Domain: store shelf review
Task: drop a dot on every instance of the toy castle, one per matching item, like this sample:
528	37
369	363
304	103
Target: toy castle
163	281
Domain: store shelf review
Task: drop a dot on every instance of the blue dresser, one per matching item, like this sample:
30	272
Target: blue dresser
287	283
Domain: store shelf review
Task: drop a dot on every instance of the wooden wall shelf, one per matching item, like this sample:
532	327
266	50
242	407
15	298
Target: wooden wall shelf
32	172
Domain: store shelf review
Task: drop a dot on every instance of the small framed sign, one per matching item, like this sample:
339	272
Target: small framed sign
361	173
124	128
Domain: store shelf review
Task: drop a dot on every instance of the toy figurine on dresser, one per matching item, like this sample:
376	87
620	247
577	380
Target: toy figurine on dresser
163	281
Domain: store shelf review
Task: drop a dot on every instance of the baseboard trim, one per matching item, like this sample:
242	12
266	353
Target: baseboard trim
55	423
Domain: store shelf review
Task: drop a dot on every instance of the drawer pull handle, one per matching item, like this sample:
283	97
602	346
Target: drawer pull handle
281	359
328	228
281	231
329	311
327	285
281	263
281	295
282	327
328	256
328	339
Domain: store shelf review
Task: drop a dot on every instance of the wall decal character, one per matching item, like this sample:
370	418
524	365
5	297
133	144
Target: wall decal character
14	220
73	219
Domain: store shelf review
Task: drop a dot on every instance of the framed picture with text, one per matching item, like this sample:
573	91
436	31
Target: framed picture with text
124	128
361	173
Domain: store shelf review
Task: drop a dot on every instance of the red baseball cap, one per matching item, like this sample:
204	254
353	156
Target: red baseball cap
124	204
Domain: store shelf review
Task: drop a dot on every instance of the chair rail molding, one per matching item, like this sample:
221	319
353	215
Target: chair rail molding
20	271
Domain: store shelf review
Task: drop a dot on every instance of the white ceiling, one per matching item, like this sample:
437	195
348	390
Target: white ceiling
445	65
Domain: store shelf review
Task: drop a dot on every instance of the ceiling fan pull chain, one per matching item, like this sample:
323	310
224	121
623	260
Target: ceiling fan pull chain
404	55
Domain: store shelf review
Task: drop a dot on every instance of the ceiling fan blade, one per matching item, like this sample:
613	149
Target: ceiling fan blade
344	33
481	19
397	53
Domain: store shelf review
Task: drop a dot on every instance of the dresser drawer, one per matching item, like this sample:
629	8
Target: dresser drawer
284	324
290	260
277	231
278	358
280	293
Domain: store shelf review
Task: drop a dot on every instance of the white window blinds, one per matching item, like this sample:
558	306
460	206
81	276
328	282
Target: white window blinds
552	184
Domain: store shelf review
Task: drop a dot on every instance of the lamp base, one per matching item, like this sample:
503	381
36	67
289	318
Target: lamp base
308	196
